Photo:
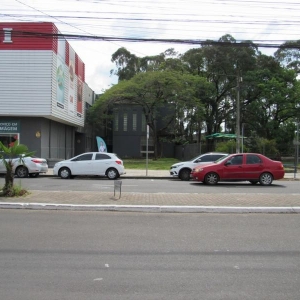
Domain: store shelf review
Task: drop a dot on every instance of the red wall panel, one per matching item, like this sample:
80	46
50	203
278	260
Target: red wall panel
30	36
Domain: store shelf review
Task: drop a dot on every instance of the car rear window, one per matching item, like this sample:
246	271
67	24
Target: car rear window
102	156
252	159
84	157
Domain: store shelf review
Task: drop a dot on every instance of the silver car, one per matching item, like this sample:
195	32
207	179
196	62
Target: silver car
182	170
90	164
27	166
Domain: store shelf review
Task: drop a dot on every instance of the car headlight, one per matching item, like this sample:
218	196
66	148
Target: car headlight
177	166
198	170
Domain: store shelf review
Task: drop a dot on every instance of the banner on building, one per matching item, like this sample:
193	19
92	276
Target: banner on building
60	73
60	80
71	104
80	79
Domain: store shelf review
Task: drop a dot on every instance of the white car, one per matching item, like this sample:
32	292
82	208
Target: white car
182	170
90	164
27	166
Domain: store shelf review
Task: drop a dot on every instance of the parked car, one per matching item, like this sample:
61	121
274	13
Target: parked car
183	169
27	166
90	164
252	167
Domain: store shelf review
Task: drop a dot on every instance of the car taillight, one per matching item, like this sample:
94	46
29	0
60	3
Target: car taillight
118	162
37	161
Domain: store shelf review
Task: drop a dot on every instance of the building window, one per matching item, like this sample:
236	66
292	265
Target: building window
134	122
125	119
7	35
143	123
116	121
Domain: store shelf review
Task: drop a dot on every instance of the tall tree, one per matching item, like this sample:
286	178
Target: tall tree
166	98
221	64
268	96
127	64
288	55
272	94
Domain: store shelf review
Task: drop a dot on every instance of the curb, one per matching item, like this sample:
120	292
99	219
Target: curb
149	208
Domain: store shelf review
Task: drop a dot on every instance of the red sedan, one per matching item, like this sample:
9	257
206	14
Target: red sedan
251	167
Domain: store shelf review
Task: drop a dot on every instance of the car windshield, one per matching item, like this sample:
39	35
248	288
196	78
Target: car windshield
199	157
196	157
221	159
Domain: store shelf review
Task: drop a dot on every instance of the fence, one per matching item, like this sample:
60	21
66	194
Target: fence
187	152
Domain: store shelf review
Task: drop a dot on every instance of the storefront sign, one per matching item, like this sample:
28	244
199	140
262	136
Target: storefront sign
9	126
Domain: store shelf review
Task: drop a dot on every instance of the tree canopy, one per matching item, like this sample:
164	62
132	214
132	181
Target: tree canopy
199	90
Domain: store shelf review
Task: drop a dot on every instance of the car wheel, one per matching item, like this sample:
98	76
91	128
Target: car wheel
64	173
211	178
266	179
22	172
185	174
34	175
253	181
112	173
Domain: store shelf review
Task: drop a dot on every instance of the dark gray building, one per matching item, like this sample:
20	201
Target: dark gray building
129	133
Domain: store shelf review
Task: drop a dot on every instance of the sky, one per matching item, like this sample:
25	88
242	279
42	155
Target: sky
262	21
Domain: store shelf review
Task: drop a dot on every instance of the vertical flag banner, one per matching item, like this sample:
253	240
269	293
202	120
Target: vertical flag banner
101	144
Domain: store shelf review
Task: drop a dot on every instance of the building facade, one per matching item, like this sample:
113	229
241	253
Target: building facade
132	138
44	95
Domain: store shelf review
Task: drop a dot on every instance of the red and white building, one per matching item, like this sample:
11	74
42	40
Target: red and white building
43	93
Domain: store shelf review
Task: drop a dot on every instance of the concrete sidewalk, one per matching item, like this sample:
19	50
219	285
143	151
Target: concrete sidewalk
156	202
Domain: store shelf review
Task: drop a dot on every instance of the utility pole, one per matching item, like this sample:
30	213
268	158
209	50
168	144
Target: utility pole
297	149
238	111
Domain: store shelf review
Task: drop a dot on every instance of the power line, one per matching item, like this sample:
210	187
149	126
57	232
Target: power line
274	43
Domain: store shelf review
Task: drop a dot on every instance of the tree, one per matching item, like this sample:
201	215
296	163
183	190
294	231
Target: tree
220	64
127	64
272	97
7	155
170	101
269	92
288	55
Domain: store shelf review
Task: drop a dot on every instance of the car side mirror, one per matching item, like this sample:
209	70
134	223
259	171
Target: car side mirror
227	163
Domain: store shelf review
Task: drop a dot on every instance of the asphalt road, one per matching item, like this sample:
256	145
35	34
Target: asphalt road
97	255
153	186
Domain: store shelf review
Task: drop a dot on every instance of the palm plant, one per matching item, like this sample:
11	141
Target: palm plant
7	155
